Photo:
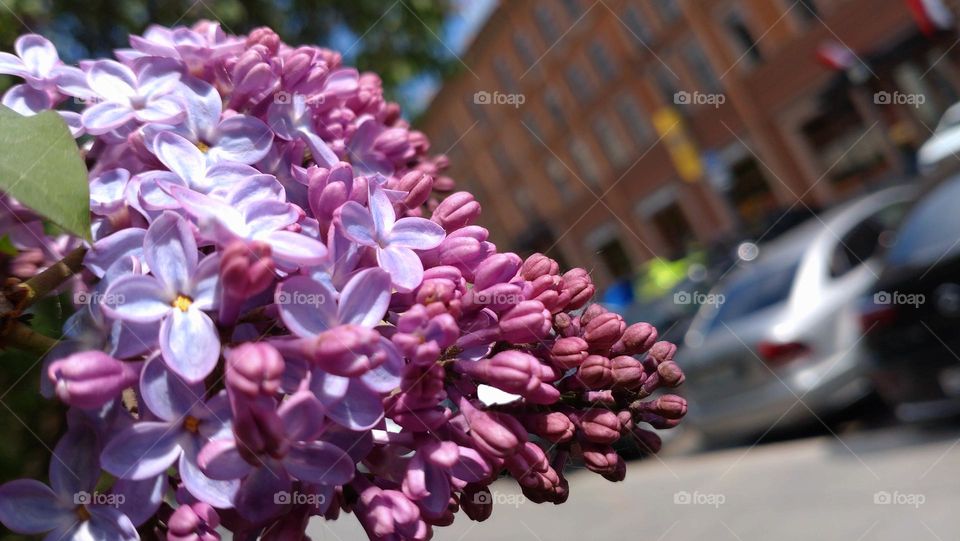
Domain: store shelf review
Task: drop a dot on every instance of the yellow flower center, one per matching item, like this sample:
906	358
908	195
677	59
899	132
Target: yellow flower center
82	514
182	303
203	146
191	424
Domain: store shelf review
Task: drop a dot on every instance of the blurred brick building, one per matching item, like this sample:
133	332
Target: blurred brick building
615	131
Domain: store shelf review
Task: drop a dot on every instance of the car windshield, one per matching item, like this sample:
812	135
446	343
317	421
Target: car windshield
931	230
761	286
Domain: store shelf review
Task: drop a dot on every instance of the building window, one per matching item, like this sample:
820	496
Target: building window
531	122
572	7
604	63
552	101
560	178
807	10
616	151
740	34
546	24
505	75
580	85
666	81
701	68
524	48
585	161
669	11
504	165
633	118
639	31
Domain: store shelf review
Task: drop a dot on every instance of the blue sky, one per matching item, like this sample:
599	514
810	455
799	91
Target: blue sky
457	33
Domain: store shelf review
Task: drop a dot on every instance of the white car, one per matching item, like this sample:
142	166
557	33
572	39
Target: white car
943	144
778	342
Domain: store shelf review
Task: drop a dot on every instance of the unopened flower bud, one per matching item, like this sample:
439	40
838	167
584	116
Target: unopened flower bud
495	434
496	269
526	322
90	379
347	350
476	502
595	372
552	426
196	522
598	425
627	372
457	210
254	369
603	331
637	339
538	265
418	186
568	352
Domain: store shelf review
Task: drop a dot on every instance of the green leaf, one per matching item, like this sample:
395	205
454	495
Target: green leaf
7	247
41	166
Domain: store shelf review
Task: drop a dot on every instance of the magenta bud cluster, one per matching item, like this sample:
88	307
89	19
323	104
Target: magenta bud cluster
291	313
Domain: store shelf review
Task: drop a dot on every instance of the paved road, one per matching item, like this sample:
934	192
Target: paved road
819	488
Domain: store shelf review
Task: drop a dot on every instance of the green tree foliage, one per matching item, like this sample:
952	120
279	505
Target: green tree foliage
396	37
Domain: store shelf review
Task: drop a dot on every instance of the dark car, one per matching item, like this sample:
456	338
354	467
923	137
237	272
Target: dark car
912	320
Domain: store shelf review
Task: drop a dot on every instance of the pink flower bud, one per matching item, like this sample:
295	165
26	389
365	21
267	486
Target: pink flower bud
552	426
591	312
603	331
264	36
596	372
512	371
497	297
347	350
457	210
496	269
637	339
662	352
578	288
90	379
476	502
566	325
197	522
246	269
646	440
254	369
627	372
418	186
598	425
538	265
526	322
546	289
599	458
568	352
496	434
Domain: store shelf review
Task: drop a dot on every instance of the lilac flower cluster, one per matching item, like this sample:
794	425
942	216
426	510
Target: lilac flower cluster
292	314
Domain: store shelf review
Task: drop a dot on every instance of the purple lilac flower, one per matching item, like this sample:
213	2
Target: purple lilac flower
36	61
126	95
393	240
177	293
28	101
186	422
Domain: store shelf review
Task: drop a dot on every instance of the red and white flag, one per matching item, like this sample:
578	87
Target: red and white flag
931	15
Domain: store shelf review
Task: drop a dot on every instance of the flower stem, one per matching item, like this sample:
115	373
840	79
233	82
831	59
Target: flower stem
24	294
